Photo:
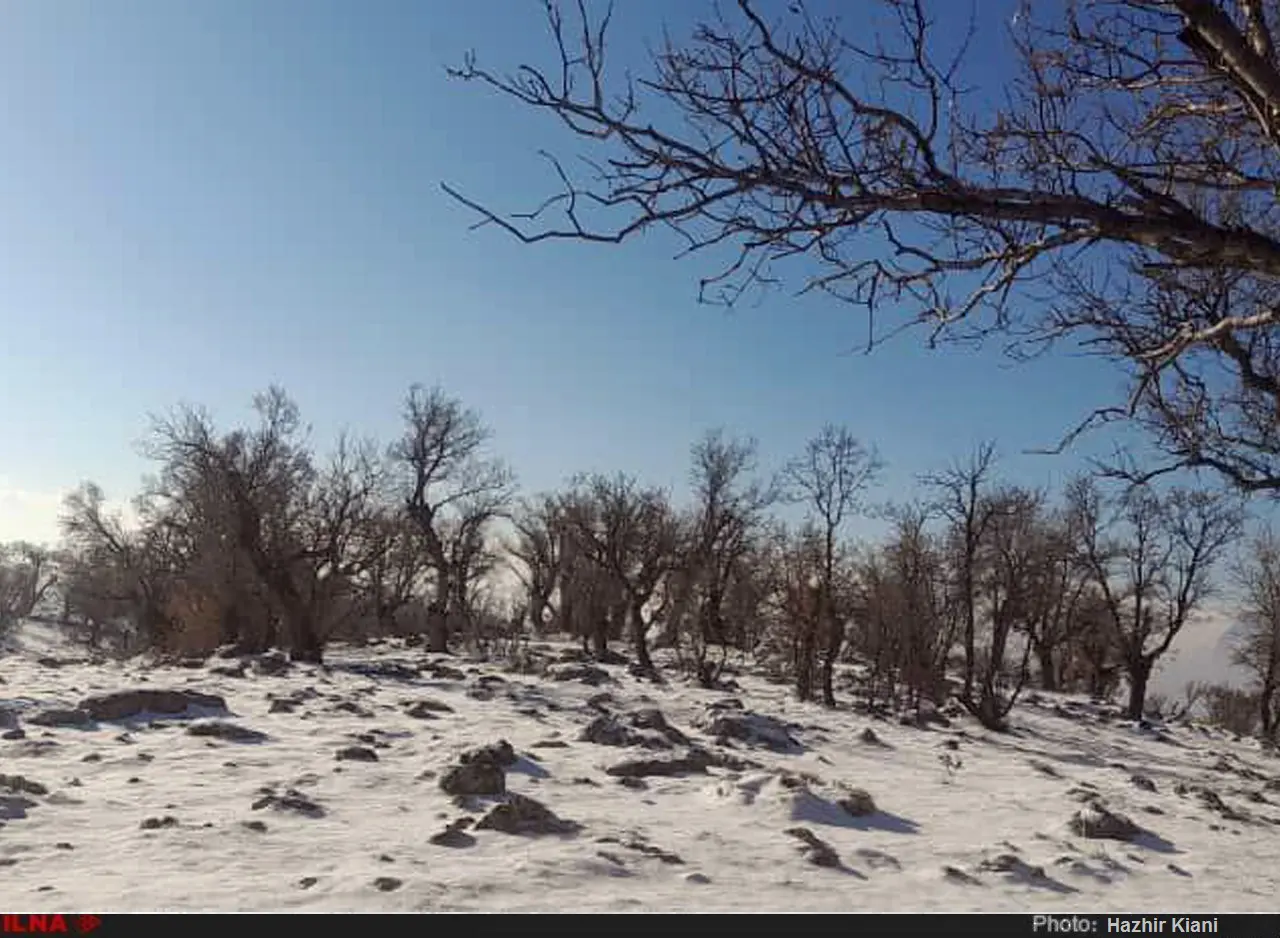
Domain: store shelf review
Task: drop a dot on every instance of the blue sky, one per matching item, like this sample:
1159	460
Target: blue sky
201	199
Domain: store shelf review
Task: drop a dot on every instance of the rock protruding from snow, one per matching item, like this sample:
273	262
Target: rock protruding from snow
588	674
126	704
443	672
455	834
61	719
227	732
158	823
526	817
816	850
356	754
754	729
271	663
1098	822
695	763
1142	782
500	754
427	709
478	778
292	801
21	785
857	802
480	772
646	728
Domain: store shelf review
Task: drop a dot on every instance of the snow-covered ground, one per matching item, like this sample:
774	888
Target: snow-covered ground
139	813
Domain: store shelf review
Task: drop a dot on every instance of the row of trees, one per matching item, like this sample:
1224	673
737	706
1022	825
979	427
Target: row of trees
246	537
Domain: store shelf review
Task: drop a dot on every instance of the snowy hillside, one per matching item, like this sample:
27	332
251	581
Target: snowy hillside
295	788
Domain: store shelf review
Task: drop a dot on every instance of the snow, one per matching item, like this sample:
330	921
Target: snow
964	820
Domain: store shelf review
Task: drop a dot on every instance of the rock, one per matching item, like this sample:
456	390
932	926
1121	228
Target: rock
387	670
426	709
13	734
1045	769
62	719
1142	782
696	762
455	835
387	883
550	744
1097	822
351	707
754	729
475	778
124	705
500	754
587	674
292	801
868	737
271	663
647	729
258	827
20	785
1015	865
156	823
227	732
356	754
229	670
1213	801
602	701
307	882
634	842
444	672
816	850
698	879
33	748
283	706
857	802
523	816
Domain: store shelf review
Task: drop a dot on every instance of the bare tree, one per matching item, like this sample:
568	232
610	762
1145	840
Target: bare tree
1258	648
960	493
27	574
829	479
904	621
120	574
396	565
633	536
1125	183
296	525
451	489
1151	558
1059	582
728	510
537	549
1012	559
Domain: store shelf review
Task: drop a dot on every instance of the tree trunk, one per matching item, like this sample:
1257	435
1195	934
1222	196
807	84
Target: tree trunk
835	641
804	664
1267	711
1048	668
1139	677
639	639
437	627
